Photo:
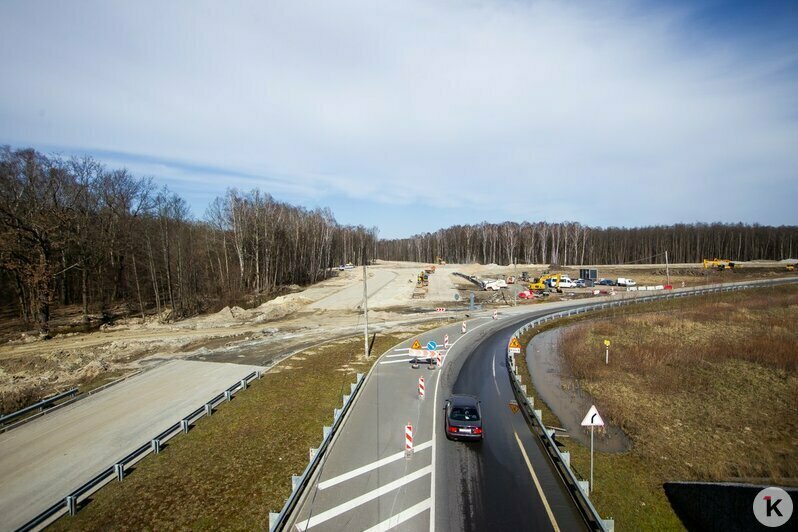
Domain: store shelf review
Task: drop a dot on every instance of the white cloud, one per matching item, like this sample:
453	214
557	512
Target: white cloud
405	100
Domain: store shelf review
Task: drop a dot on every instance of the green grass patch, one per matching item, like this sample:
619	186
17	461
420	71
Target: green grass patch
686	381
235	467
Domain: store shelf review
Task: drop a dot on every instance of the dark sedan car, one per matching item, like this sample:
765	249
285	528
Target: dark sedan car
606	282
463	418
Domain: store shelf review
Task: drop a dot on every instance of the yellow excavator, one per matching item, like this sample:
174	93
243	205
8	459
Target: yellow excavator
540	284
720	264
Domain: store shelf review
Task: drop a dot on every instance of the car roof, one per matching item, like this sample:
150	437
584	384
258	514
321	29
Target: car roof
463	400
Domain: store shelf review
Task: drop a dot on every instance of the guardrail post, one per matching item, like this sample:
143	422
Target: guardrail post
208	409
228	395
346	398
155	443
584	485
273	520
325	431
538	414
531	401
312	454
184	425
523	388
119	469
258	374
243	384
566	458
295	480
359	377
336	413
609	524
72	504
352	388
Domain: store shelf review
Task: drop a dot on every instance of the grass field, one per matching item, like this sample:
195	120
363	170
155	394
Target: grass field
235	467
707	389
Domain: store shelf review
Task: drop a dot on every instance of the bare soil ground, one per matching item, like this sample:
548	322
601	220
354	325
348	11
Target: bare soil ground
31	368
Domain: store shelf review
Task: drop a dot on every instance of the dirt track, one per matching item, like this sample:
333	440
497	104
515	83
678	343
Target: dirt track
262	335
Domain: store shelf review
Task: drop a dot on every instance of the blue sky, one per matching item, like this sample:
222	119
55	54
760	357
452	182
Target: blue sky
416	115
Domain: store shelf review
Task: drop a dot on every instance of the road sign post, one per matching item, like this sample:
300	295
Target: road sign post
592	420
606	351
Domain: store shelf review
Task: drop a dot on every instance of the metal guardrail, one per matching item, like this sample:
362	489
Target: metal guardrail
41	404
562	459
277	521
69	503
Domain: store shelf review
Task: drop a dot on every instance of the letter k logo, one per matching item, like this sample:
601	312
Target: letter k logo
771	506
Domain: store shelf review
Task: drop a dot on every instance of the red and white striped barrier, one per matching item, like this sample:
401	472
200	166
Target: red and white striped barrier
421	388
408	439
439	358
464	328
440	309
446	341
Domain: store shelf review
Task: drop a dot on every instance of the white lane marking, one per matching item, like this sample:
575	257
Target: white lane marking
402	360
366	497
537	484
372	466
404	349
435	434
495	383
397	356
401	517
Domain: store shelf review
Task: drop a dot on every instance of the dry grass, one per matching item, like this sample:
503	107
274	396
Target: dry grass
707	390
232	469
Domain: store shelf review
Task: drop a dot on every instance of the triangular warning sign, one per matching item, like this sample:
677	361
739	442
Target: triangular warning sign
514	343
513	406
593	418
416	345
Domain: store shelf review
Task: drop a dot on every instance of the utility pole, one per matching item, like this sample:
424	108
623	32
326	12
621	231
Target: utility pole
667	269
365	311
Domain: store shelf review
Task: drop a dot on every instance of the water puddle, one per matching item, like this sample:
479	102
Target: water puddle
558	389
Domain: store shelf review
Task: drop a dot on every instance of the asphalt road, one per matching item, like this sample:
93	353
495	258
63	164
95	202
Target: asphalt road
47	458
504	483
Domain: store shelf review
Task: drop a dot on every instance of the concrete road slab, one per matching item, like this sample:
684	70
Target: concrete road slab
42	461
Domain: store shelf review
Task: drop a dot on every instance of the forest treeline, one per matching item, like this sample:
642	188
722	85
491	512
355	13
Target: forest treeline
73	232
573	243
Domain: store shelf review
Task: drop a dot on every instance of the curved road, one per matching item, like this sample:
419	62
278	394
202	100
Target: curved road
504	483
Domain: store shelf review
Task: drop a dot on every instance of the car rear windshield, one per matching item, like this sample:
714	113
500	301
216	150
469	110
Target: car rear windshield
460	413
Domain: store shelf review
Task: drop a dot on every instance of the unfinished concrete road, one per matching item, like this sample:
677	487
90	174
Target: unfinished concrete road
42	461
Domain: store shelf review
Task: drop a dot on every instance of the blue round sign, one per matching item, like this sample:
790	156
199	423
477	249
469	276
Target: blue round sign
431	346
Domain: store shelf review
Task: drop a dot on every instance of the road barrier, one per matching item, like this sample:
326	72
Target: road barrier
40	405
69	504
562	459
277	521
409	439
421	388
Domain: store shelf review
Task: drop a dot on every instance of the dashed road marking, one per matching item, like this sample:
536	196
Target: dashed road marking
401	517
362	499
372	466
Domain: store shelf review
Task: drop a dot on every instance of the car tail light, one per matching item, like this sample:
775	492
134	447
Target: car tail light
452	429
477	430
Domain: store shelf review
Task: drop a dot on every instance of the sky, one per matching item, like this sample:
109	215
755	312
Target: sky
416	115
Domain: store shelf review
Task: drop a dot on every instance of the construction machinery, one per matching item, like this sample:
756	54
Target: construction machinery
429	268
546	281
440	261
719	264
790	267
423	279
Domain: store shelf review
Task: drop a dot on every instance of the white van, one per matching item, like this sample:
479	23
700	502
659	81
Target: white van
623	281
565	282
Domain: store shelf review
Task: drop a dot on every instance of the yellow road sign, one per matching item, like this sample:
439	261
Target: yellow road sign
607	343
514	343
416	345
513	406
